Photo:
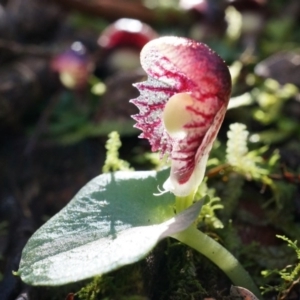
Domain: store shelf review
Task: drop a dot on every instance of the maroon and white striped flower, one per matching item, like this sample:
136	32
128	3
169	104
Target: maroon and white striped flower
182	106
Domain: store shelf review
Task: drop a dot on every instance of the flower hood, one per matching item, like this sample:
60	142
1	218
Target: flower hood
182	106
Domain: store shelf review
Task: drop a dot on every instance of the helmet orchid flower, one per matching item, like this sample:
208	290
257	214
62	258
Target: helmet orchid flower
182	106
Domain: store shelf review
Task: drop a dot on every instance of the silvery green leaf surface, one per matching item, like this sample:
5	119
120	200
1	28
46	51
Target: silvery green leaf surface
113	221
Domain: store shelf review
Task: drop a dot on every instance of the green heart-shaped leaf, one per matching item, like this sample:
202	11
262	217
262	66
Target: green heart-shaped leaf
113	221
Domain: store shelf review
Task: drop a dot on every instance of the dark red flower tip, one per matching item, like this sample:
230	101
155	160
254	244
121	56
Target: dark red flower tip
126	33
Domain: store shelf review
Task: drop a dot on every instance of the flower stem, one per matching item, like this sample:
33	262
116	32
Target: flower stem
218	255
183	203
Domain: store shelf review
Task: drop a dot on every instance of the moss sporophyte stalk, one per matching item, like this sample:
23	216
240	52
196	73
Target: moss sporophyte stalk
117	218
182	106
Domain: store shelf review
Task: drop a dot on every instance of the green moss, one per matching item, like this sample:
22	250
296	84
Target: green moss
285	278
113	162
232	191
126	284
185	274
208	217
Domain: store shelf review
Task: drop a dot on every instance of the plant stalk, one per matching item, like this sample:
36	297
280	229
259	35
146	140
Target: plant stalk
183	203
219	256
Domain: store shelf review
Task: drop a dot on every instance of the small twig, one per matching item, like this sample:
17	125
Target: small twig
286	175
217	170
286	293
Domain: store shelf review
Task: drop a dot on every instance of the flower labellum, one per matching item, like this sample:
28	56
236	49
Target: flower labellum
182	106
